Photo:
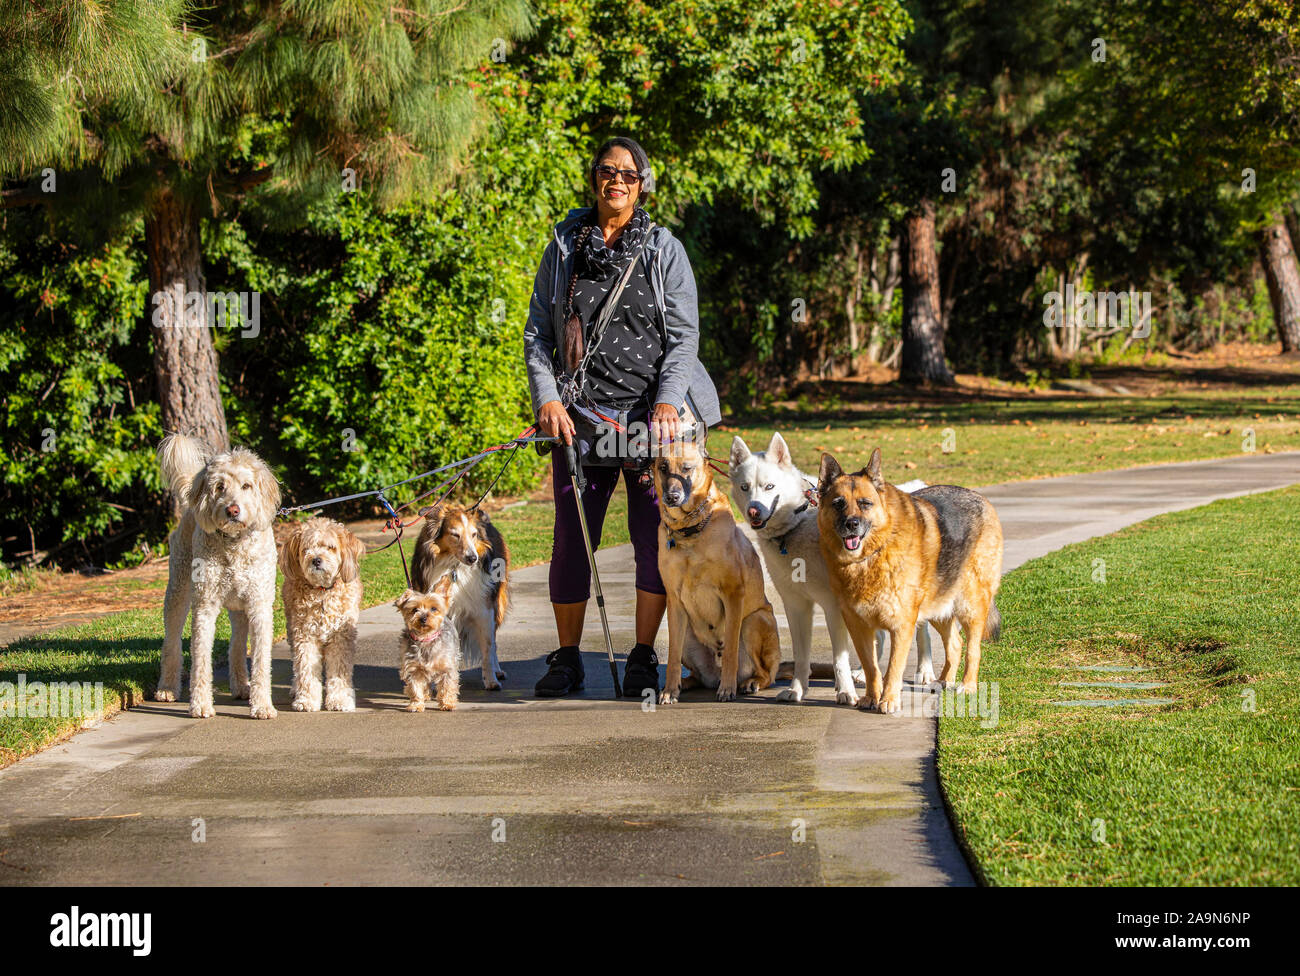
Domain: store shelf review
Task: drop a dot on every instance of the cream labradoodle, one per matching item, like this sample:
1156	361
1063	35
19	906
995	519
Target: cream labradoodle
222	555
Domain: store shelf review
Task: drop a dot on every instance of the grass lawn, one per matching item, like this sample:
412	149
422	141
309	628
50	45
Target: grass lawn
1204	791
989	441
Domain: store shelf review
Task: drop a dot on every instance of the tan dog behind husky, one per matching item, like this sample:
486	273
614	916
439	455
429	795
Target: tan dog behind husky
720	624
893	558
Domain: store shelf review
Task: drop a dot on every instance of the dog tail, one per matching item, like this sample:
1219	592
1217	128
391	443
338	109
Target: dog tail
993	625
180	458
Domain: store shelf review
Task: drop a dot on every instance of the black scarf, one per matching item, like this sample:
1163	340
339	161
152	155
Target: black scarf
595	261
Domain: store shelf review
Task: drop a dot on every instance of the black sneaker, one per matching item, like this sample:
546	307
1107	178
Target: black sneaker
641	671
566	674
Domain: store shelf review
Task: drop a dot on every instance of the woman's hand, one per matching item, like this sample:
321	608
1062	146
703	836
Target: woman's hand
665	424
554	421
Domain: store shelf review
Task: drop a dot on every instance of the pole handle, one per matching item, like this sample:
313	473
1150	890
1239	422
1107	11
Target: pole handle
575	469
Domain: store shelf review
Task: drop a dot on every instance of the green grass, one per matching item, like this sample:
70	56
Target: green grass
1205	791
994	441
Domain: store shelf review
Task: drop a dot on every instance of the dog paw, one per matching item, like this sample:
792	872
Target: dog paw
667	697
164	695
846	698
789	695
889	705
925	676
239	694
952	684
415	707
859	676
305	705
262	710
501	674
446	706
202	710
964	688
749	687
726	693
341	705
865	703
491	684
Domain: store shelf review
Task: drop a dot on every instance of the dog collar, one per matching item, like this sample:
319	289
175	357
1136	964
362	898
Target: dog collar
688	530
425	640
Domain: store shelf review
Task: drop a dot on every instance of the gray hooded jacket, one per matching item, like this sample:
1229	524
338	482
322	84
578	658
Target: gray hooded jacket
682	375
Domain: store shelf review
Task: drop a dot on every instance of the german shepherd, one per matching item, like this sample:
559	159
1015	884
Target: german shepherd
895	558
720	624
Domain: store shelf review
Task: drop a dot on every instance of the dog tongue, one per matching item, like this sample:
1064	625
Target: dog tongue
852	541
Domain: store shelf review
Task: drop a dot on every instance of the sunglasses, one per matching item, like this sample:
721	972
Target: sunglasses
630	176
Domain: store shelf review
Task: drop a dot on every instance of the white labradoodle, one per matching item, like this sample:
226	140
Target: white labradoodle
222	555
322	602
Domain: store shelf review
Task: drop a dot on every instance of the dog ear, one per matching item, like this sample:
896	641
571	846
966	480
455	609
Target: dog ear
198	501
740	451
443	586
829	472
268	493
351	549
291	553
778	452
404	599
433	518
426	546
873	470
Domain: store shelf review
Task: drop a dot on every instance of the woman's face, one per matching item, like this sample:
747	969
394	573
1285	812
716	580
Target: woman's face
613	196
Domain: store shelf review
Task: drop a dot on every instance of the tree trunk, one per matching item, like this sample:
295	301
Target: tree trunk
1283	282
923	355
184	359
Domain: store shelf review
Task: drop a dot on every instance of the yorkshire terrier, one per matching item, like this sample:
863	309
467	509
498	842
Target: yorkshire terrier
430	648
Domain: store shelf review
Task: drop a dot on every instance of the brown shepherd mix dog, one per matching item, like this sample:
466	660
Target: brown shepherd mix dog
720	624
895	558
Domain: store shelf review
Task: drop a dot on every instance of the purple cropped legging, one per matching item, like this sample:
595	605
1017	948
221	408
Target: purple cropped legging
570	575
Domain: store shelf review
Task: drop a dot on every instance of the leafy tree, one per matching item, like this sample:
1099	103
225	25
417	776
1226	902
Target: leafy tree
1210	94
187	108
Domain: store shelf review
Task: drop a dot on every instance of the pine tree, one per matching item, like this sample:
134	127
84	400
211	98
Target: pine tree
172	111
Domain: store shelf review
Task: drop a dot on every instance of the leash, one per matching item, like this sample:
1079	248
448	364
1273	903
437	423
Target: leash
396	521
461	466
465	463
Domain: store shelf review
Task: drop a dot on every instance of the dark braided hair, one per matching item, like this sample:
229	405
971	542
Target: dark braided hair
573	342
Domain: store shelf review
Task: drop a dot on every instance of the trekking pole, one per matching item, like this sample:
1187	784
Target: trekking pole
579	482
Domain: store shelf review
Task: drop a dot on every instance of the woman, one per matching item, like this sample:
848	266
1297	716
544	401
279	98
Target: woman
589	359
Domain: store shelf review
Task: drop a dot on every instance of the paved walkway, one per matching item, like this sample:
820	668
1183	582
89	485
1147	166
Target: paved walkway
514	790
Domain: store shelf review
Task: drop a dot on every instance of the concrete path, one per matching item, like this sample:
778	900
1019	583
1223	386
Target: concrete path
510	789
